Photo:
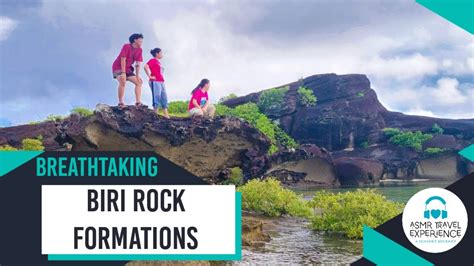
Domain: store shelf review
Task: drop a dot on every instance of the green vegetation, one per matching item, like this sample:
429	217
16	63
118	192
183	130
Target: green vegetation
306	96
434	150
54	118
360	94
348	212
228	97
390	131
407	139
178	107
436	129
284	139
82	111
332	212
236	177
28	144
7	148
272	100
271	199
251	113
364	145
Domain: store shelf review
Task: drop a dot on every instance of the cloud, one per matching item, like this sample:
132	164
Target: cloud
403	48
7	25
447	92
419	111
406	67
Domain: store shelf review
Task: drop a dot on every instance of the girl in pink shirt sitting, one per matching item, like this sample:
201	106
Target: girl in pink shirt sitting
199	104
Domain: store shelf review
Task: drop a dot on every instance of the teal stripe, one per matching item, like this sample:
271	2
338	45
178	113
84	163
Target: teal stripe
238	226
468	152
458	12
112	257
10	160
178	257
381	250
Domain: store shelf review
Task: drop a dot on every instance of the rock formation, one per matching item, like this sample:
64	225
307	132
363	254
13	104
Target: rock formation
342	139
348	116
203	147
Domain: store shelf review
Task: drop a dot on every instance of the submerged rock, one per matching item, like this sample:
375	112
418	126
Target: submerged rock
253	234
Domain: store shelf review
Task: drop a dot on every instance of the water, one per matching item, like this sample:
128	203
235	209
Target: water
294	243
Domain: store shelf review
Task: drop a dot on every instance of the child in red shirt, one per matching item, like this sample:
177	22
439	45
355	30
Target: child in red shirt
122	68
156	81
199	104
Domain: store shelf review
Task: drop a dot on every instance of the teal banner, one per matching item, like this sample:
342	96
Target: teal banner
459	12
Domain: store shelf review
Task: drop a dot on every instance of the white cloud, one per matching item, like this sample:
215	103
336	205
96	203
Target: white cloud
447	92
406	67
240	55
419	111
470	64
7	25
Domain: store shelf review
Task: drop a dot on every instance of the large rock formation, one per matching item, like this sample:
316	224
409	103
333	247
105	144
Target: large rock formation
203	147
348	117
347	114
342	138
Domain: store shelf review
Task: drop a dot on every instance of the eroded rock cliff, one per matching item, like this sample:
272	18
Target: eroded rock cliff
342	139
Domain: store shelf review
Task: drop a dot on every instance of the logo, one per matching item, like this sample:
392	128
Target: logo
435	212
427	224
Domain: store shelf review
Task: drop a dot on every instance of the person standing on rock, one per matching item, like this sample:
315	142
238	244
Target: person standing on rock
154	71
123	70
199	104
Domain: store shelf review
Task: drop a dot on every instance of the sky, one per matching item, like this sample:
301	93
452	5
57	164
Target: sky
56	55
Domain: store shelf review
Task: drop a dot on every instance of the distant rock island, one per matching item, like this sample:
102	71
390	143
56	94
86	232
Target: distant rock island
343	138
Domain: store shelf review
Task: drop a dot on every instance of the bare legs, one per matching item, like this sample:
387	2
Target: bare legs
121	88
208	112
165	113
138	88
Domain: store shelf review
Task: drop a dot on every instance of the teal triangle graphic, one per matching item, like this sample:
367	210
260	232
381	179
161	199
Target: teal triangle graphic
459	12
381	250
10	160
468	152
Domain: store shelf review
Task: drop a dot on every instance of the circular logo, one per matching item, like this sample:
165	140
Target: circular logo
434	220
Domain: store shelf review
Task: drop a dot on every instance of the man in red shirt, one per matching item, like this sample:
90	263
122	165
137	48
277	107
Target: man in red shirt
154	71
122	68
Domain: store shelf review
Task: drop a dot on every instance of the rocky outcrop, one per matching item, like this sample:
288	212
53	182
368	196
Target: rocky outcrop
305	166
203	147
347	114
348	120
439	167
342	138
358	171
253	234
47	131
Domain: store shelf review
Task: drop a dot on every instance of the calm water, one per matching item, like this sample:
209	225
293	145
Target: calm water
294	243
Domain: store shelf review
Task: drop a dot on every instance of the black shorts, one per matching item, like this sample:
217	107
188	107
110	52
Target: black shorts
118	73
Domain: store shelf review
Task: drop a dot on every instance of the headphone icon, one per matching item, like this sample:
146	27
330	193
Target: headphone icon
444	213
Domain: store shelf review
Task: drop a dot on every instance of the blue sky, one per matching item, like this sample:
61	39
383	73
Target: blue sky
56	55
